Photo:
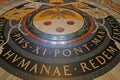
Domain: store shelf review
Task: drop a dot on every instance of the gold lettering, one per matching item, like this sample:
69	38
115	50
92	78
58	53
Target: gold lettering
17	35
57	51
16	58
2	22
100	37
85	45
56	72
101	32
96	41
46	68
18	38
111	50
8	54
114	26
24	64
66	70
116	34
117	30
84	67
115	37
25	45
36	50
78	50
67	52
93	64
34	68
22	41
106	55
101	60
111	20
45	50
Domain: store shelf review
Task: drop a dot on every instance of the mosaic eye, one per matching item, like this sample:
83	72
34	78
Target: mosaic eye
70	22
47	23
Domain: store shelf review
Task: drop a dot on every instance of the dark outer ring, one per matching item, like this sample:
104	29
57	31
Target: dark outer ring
60	60
89	76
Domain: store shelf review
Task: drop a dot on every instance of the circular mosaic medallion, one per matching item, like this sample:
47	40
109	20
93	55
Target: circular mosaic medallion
58	24
59	40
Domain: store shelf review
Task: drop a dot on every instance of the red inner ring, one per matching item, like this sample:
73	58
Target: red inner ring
67	41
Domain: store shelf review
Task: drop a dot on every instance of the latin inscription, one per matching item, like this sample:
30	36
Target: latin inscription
60	70
82	49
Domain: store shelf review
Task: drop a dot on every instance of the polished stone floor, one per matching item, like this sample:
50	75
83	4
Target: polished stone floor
110	6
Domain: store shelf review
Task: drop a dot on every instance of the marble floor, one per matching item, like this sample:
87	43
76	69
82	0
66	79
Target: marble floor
113	10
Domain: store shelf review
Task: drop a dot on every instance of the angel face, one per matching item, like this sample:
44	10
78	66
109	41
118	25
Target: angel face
59	26
58	21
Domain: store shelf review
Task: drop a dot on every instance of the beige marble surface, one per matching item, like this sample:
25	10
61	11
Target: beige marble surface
113	74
